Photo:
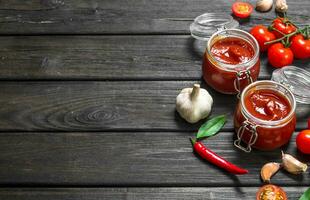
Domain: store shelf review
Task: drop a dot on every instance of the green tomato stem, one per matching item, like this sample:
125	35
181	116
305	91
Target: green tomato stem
282	38
285	39
274	29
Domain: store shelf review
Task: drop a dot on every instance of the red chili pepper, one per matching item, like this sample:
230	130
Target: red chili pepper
210	156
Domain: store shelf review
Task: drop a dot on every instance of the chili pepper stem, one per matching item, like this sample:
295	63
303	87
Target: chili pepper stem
193	141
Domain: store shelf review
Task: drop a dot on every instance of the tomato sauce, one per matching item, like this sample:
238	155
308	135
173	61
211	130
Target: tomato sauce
231	51
267	105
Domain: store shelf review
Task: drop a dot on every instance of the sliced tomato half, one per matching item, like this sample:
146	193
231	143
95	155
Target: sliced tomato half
242	9
270	192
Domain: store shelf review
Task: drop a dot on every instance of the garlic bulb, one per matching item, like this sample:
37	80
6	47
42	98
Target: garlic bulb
293	165
194	104
281	6
264	5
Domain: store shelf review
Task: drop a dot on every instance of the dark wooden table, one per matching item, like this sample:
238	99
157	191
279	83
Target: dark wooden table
87	101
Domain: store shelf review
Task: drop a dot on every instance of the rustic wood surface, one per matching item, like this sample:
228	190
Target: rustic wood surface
180	193
159	57
131	159
87	101
122	17
101	106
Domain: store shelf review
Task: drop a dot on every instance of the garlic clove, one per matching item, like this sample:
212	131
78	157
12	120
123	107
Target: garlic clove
268	170
194	104
293	165
264	5
281	6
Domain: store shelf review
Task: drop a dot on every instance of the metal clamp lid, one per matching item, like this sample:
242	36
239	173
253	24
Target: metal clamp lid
250	128
240	76
295	79
205	25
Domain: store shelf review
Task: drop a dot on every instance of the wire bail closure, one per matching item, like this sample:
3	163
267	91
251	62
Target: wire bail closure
251	128
242	75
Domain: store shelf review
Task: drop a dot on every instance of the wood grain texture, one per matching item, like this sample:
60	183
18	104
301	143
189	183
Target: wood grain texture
199	193
102	106
122	17
131	159
107	58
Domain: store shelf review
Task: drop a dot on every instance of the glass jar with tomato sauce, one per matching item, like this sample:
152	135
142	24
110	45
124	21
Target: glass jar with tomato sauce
231	59
265	117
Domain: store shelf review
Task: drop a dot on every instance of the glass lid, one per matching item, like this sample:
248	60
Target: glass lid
206	24
296	79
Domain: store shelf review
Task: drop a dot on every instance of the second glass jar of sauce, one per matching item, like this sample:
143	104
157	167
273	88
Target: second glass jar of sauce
265	116
231	61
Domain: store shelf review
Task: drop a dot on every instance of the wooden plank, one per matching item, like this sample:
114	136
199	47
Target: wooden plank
102	106
119	16
107	58
199	193
130	159
99	57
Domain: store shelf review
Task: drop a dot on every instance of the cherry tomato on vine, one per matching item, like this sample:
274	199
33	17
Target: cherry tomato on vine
262	35
300	46
242	9
280	56
270	192
281	25
303	141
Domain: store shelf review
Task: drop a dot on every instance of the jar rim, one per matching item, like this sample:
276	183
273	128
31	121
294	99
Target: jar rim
282	121
233	67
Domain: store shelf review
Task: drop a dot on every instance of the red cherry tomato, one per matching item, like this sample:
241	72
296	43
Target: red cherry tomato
270	192
303	141
300	47
242	9
280	25
280	56
262	35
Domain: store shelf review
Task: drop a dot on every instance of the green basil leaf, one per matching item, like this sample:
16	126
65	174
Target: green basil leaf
211	126
306	195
